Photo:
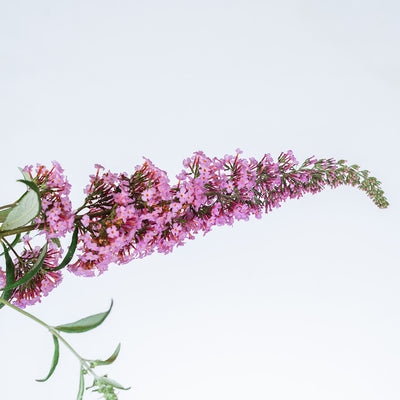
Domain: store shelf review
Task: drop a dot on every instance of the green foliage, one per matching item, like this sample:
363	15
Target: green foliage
14	242
54	363
27	208
85	324
4	213
28	276
109	360
111	382
70	252
10	276
107	386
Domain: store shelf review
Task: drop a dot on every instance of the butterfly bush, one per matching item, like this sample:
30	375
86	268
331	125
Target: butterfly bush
56	217
125	217
43	282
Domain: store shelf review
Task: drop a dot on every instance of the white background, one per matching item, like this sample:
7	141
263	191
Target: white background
302	304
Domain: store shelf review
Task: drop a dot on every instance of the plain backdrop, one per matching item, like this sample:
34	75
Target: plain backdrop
302	304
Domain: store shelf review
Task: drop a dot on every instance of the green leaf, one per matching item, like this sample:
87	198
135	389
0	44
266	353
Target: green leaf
113	383
81	384
55	359
31	184
35	188
4	214
109	360
14	242
25	211
10	275
28	276
71	251
85	324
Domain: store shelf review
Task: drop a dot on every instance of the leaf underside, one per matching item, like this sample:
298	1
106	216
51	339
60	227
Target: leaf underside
24	212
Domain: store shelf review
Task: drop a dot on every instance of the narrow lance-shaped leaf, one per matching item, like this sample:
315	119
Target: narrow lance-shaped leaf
14	242
71	251
28	276
109	360
54	363
81	384
10	275
85	324
113	383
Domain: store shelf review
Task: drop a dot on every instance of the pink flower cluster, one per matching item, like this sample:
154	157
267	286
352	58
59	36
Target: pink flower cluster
126	216
43	282
130	217
56	216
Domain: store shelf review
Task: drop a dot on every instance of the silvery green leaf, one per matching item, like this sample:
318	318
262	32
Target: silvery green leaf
85	324
55	359
112	383
24	212
4	213
109	360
